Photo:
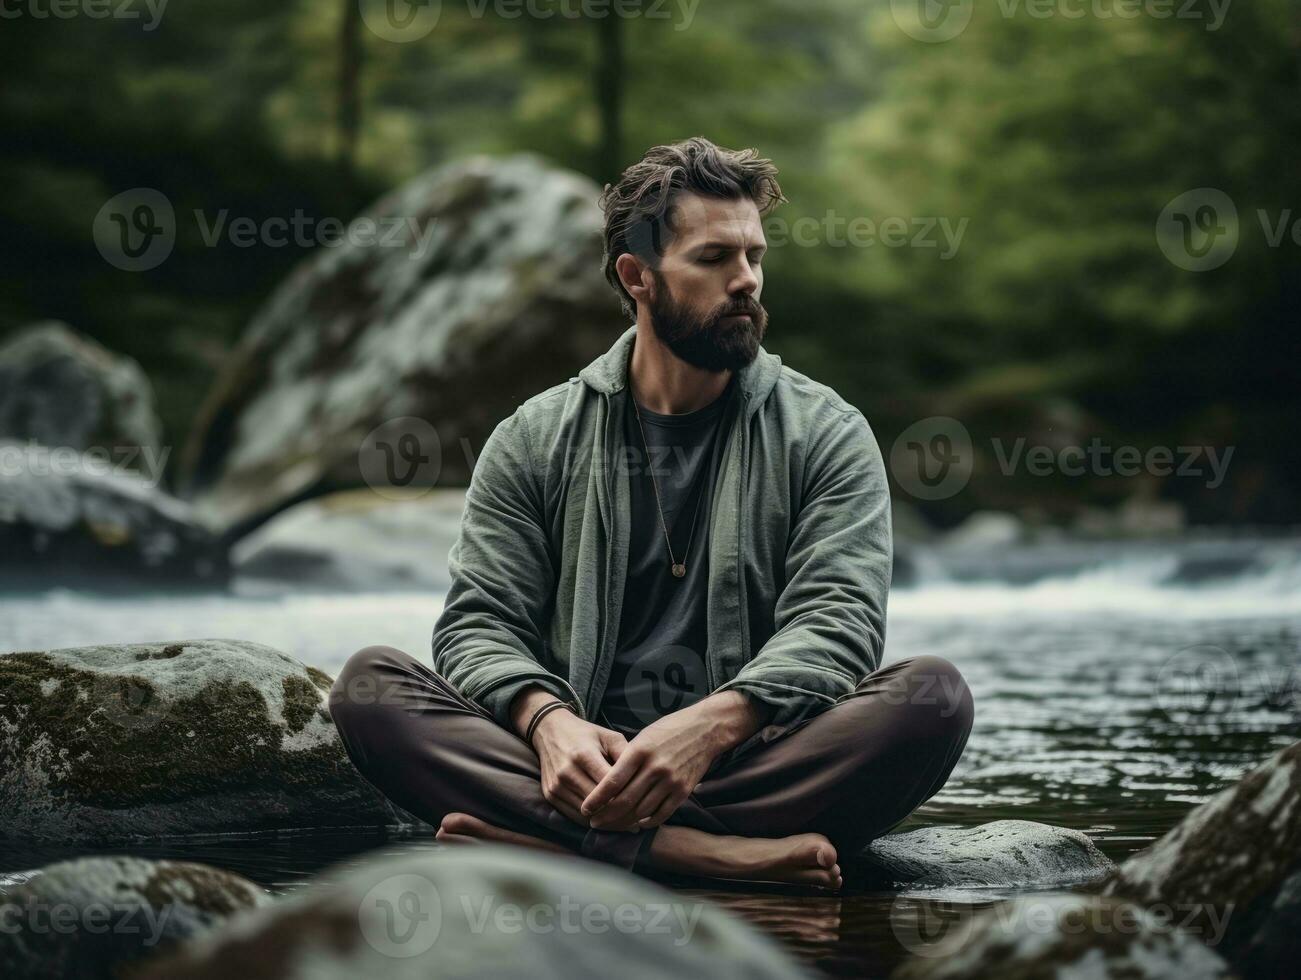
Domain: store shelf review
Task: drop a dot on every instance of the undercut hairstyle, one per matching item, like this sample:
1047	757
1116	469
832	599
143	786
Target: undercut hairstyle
641	208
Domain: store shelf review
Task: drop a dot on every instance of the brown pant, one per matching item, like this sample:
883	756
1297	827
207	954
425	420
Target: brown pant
851	772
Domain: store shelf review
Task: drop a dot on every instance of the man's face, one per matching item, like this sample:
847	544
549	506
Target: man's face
704	303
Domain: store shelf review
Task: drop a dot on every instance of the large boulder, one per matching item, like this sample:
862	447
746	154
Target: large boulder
109	743
1235	860
91	917
1218	896
1052	935
77	519
60	388
999	854
491	289
481	911
356	540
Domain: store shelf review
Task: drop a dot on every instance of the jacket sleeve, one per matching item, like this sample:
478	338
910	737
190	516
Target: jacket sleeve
830	616
488	640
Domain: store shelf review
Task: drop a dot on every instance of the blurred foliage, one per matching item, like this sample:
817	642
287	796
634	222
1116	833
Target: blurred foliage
1056	141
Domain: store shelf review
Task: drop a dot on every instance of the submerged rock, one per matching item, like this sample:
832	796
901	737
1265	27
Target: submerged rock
489	282
484	911
356	540
90	917
61	388
76	519
1003	853
1054	935
110	743
1235	859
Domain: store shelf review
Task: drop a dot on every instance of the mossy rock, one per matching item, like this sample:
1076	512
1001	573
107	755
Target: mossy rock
1235	859
1053	935
109	743
90	917
485	911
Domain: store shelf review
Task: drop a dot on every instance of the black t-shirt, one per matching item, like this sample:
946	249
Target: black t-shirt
659	664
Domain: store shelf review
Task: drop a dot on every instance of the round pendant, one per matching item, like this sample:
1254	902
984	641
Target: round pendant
679	570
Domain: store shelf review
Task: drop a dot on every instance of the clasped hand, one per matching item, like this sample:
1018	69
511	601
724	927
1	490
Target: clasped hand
598	778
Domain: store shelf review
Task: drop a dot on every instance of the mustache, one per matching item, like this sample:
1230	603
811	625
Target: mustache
750	308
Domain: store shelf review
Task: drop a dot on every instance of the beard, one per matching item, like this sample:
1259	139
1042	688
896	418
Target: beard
708	340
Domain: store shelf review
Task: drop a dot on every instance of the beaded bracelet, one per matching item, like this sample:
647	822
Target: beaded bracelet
541	713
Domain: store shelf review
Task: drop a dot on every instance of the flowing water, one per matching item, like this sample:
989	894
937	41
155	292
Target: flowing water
1116	687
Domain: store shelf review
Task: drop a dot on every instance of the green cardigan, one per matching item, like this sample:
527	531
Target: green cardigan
800	547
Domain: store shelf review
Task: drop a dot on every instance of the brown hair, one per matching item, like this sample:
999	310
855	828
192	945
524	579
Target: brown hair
639	208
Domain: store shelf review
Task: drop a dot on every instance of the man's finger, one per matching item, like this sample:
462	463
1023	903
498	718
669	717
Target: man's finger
653	800
665	810
620	774
624	805
592	763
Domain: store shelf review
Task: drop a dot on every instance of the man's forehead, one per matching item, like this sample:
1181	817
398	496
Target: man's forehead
701	219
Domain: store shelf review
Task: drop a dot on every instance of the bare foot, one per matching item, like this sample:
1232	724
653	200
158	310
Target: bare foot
461	828
801	859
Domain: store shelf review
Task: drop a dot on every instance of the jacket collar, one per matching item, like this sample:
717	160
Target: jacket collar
608	374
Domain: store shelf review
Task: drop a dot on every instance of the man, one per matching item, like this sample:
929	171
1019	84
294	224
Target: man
662	643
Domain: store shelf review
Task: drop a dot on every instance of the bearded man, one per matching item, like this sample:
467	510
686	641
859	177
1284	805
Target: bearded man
662	645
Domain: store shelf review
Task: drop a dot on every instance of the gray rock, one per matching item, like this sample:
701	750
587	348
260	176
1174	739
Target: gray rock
90	917
60	388
1001	854
484	911
1229	860
453	330
72	518
1053	935
356	540
110	743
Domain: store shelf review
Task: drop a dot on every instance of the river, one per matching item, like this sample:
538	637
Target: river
1116	687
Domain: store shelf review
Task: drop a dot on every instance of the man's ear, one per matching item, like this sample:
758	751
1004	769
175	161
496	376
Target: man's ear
635	276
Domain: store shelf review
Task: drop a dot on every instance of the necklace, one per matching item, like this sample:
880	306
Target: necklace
679	568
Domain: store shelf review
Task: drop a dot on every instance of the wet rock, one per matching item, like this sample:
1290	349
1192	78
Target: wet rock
61	388
1003	853
492	286
108	743
1235	858
1053	935
356	540
486	911
78	519
91	917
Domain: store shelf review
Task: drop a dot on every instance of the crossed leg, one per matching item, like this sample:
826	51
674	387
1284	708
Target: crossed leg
781	808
